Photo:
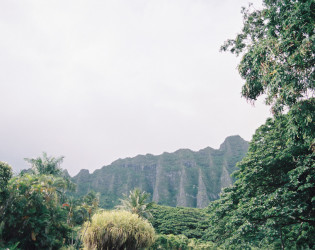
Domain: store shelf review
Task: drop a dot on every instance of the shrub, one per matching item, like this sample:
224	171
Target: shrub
117	230
181	242
170	241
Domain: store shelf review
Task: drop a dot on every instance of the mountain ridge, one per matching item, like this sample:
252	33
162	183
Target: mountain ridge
182	178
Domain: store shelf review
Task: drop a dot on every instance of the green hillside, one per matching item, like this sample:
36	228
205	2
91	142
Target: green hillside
183	178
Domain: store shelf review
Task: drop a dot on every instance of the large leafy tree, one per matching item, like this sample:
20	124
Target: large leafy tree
277	46
36	213
272	203
34	216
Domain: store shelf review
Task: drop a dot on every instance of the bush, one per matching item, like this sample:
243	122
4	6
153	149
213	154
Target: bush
170	241
190	222
181	242
117	230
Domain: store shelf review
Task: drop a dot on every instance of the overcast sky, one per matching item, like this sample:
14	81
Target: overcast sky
95	81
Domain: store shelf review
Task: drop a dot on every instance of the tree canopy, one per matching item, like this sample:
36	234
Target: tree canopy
36	211
273	200
277	45
272	203
190	222
33	214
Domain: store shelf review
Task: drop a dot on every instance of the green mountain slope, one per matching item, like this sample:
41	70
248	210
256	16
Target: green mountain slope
183	178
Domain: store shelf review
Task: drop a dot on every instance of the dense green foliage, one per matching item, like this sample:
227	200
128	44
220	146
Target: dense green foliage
117	230
33	215
170	242
181	242
190	222
83	208
36	211
5	176
273	201
278	43
136	203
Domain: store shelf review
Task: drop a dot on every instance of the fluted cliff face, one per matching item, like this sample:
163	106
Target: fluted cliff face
182	178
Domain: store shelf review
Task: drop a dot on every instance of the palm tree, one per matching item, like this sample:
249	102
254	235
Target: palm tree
46	164
136	203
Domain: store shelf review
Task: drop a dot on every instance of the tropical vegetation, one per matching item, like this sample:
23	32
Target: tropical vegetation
136	203
271	205
37	211
190	222
277	47
45	165
117	230
272	202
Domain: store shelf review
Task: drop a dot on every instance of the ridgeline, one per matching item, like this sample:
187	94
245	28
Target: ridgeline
183	178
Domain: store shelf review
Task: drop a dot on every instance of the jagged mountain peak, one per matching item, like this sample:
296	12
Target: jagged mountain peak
65	173
233	142
83	173
182	178
230	140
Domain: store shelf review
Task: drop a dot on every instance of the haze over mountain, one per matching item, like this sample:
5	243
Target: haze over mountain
95	81
183	178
